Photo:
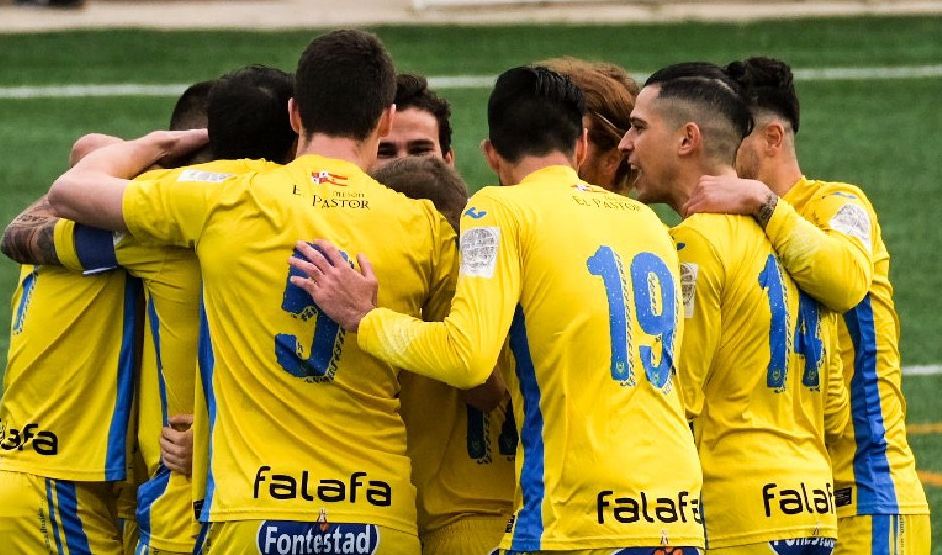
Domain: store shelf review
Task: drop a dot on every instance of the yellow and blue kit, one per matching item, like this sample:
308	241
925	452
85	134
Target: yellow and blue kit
585	282
874	467
761	378
299	420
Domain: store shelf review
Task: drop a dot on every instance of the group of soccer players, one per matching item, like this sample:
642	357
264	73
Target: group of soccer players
260	347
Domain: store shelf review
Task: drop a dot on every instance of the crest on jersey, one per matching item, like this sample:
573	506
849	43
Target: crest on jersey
323	176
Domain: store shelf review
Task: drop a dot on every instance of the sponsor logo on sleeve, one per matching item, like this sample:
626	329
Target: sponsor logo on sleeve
688	285
202	176
479	251
279	537
853	221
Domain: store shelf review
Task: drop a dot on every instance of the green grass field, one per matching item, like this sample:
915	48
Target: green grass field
880	134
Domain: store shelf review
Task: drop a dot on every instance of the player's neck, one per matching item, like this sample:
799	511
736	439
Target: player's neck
781	177
528	164
361	153
689	177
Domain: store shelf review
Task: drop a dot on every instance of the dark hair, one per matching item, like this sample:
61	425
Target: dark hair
248	115
768	85
429	178
533	111
345	79
412	92
703	93
190	110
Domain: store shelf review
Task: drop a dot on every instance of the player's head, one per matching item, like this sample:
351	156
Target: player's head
687	121
422	126
190	112
533	112
344	88
609	97
769	88
429	178
248	115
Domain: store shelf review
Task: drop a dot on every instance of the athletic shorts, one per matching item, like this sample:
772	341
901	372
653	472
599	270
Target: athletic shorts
44	515
662	550
477	535
884	535
800	546
127	527
276	537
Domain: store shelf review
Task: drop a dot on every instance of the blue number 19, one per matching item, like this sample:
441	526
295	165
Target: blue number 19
656	315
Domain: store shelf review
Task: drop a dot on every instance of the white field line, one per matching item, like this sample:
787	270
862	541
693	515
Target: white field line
452	82
923	370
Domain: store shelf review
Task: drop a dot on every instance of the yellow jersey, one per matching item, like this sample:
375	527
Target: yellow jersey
605	457
462	457
874	467
760	373
68	388
172	288
301	423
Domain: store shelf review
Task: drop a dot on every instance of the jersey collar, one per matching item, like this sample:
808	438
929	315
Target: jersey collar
558	174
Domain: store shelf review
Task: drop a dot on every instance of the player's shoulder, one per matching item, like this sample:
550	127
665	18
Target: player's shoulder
832	190
724	234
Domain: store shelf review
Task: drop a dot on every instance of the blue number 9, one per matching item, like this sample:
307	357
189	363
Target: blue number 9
648	275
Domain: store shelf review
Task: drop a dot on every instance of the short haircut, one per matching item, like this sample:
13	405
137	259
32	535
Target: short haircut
534	111
427	177
190	110
412	92
344	81
248	115
768	85
609	98
704	94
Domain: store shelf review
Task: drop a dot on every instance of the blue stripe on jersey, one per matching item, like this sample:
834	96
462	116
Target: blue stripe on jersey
154	319
875	489
207	361
95	249
528	530
50	483
68	510
147	493
116	461
201	539
880	535
29	282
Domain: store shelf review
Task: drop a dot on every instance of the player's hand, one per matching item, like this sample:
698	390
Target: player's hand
176	444
173	145
340	291
726	195
487	396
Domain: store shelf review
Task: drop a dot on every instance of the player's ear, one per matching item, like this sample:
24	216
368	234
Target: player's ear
386	121
774	136
690	139
582	147
294	115
490	154
449	157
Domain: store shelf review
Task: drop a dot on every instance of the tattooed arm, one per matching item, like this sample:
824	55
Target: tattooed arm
29	239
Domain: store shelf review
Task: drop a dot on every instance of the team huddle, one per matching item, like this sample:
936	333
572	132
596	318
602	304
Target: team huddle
282	327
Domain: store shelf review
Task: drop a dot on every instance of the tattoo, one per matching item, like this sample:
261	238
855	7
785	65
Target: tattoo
30	237
764	213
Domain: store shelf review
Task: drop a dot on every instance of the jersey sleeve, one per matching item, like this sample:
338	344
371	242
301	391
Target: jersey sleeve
702	275
463	349
829	258
171	206
444	269
84	249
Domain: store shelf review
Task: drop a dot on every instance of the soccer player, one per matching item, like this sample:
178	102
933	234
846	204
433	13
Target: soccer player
605	460
306	445
760	379
609	96
461	445
828	238
422	126
247	115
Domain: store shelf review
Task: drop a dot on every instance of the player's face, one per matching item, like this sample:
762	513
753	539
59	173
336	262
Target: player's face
414	133
647	144
747	157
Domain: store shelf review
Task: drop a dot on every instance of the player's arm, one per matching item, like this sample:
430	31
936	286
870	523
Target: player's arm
702	275
826	260
92	191
463	349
